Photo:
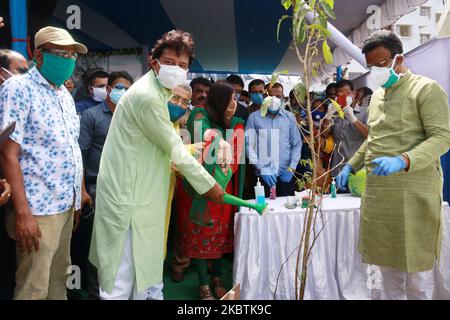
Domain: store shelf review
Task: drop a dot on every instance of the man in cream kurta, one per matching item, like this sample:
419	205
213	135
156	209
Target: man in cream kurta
132	188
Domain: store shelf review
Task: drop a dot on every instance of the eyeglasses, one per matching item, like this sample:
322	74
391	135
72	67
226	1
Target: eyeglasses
176	99
120	86
62	53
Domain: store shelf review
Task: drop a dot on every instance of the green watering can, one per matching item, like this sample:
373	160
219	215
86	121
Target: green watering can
223	180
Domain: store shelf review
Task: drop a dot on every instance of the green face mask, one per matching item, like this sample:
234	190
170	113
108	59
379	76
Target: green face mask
57	69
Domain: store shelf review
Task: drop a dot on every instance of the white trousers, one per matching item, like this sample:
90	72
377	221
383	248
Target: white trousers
125	287
156	292
406	286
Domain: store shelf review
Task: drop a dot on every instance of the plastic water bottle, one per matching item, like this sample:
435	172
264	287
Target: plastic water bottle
260	195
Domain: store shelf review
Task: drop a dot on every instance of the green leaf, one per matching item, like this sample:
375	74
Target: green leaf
275	77
300	92
312	4
327	52
330	3
338	108
325	32
279	25
323	21
328	10
301	35
286	4
300	27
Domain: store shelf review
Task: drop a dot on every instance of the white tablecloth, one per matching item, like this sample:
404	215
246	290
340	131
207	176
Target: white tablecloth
336	270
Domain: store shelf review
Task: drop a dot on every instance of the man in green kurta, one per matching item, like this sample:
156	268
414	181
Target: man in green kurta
133	182
401	208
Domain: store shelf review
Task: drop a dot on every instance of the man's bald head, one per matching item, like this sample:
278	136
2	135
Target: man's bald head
11	63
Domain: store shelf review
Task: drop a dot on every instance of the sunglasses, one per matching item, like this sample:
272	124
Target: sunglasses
120	86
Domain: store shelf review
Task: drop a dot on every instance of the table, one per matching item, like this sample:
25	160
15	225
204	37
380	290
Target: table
336	271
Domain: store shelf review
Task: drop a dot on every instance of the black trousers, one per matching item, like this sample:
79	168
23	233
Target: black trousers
7	261
79	251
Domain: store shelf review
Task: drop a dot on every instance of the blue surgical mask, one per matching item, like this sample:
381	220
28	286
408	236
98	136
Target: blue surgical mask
318	115
175	111
116	94
257	98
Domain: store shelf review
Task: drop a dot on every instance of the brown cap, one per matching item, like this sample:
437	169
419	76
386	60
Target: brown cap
59	37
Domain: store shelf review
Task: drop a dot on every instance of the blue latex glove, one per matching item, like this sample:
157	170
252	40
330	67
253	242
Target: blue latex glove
270	180
286	176
342	177
388	165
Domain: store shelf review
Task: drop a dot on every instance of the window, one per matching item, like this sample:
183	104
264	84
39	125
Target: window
425	12
403	30
424	38
438	17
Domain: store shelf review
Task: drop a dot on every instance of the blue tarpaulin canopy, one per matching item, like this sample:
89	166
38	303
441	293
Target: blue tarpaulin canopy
231	35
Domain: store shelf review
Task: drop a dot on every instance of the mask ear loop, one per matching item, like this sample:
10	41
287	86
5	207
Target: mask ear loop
8	72
393	64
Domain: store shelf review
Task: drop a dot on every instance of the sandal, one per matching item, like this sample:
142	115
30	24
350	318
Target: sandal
219	288
205	293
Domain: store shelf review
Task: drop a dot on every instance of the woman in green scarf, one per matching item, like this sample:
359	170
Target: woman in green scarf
206	229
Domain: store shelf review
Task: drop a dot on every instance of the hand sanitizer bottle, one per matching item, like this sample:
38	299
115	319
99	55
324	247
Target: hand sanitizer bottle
260	195
333	189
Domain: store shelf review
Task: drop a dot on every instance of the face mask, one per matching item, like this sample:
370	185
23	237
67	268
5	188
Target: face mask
99	94
349	101
57	69
175	111
385	77
245	104
257	98
171	76
317	115
116	94
275	106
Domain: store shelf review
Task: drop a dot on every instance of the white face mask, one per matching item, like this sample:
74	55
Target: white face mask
171	76
275	105
349	100
99	94
385	77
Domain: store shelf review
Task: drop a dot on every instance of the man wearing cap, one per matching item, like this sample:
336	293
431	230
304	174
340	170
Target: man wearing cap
42	162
